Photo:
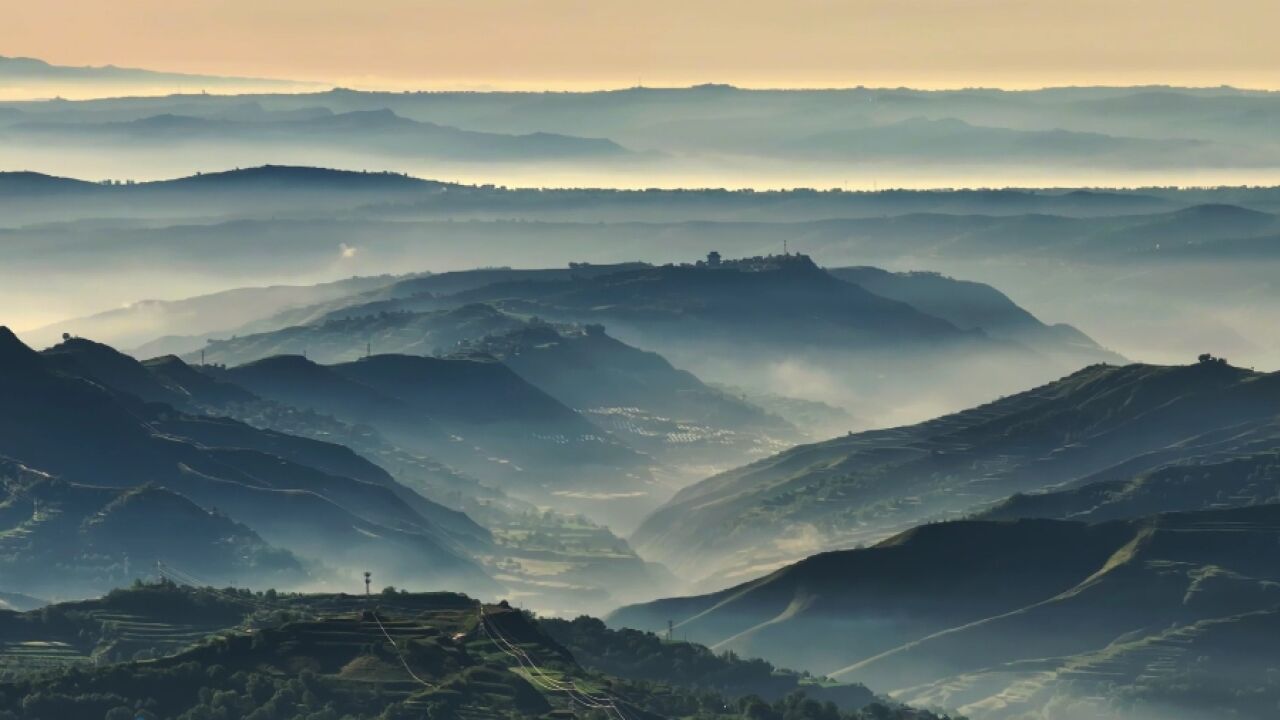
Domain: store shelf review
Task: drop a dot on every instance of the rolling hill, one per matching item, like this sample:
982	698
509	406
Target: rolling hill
1006	619
63	419
937	141
561	560
971	305
473	413
260	191
758	318
351	333
636	395
146	648
19	602
862	487
751	301
1131	128
102	537
380	132
1234	471
147	320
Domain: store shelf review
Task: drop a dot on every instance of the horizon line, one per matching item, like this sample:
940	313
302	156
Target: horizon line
321	87
128	182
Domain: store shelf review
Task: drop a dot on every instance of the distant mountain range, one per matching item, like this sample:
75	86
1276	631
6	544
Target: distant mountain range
379	132
949	140
239	192
885	437
1106	262
102	80
1140	129
149	320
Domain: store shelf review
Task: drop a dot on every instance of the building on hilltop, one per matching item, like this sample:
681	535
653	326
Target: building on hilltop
759	263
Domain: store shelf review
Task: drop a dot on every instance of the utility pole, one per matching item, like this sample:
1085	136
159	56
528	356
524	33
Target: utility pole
671	629
368	578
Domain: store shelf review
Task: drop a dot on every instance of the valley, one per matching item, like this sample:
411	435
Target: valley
700	403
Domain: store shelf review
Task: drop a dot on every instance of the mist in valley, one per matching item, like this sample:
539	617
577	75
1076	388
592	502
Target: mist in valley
962	400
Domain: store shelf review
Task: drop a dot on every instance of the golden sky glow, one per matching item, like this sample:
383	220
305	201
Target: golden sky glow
577	44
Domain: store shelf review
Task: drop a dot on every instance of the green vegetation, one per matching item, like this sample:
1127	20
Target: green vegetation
646	657
271	656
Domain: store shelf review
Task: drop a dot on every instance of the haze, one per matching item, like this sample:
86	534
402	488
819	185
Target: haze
574	44
859	360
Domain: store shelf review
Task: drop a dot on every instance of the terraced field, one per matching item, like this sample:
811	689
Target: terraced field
1087	682
32	655
126	636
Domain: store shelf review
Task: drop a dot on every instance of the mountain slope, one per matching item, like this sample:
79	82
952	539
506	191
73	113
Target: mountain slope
833	606
636	395
479	396
1233	475
91	360
1002	619
350	333
96	535
971	305
147	320
764	295
473	413
172	381
413	654
862	487
93	435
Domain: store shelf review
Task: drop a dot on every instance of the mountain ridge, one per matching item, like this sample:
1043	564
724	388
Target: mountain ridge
119	441
838	491
992	616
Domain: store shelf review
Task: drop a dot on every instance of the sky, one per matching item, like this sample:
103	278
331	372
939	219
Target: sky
584	44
